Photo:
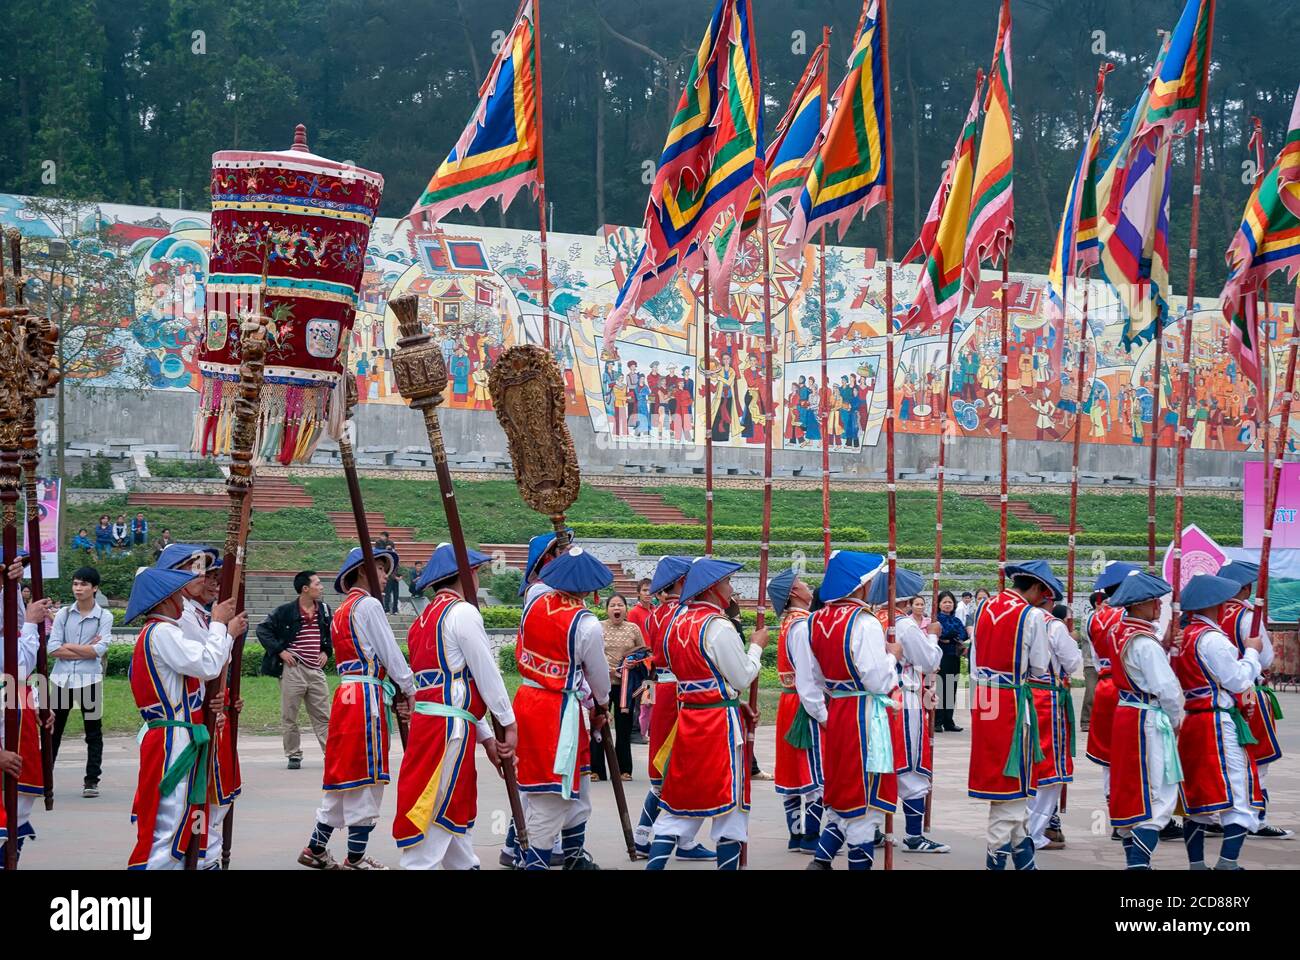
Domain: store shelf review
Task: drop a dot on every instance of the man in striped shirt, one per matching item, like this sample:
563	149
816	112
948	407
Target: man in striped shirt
296	638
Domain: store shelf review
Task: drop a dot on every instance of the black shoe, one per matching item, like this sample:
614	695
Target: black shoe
1173	830
91	790
1214	829
581	861
954	729
1269	832
295	763
1114	835
816	864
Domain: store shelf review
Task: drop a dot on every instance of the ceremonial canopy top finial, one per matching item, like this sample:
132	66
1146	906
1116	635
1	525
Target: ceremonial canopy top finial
300	138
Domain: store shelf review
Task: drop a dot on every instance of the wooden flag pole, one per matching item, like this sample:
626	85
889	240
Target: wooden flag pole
541	179
1274	485
821	313
1185	367
1080	374
708	421
891	487
1003	431
39	344
943	438
764	547
239	488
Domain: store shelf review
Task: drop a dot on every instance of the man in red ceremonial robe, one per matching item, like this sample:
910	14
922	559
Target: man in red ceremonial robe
1054	704
1100	623
1009	646
457	681
561	656
168	670
670	574
24	760
1144	766
1260	705
1220	781
799	779
845	675
703	759
370	665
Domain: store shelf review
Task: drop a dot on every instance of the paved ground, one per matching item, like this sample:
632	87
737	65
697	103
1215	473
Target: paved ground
275	813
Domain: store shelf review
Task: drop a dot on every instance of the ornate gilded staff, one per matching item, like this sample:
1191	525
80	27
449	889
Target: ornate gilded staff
421	377
12	386
527	391
39	343
239	487
349	386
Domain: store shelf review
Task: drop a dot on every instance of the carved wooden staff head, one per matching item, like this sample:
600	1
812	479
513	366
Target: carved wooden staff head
418	367
13	387
527	391
252	352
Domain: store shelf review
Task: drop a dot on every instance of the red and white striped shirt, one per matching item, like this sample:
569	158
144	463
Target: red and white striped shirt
306	646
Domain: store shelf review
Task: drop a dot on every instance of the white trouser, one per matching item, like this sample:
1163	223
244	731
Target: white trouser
1241	811
685	841
1041	807
358	807
858	830
732	825
1261	770
1163	796
440	850
1105	783
170	819
26	801
549	813
212	855
1007	822
912	785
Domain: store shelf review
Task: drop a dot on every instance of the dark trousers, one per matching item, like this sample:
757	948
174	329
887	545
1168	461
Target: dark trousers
390	595
946	691
91	701
622	720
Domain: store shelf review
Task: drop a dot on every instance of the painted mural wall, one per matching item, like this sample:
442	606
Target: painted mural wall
480	293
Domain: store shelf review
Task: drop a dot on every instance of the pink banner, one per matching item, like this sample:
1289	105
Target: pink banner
1286	519
47	497
1200	555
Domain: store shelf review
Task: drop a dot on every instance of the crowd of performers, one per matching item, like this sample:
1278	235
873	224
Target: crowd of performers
1190	727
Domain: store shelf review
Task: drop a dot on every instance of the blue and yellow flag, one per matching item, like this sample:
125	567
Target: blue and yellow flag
1178	87
497	154
850	172
710	165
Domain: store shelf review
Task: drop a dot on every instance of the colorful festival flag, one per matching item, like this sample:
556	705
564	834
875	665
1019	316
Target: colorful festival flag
1267	240
711	161
496	155
849	172
1178	85
940	295
992	208
1076	248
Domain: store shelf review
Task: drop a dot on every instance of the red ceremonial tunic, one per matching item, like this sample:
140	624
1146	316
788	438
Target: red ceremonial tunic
157	749
1235	621
1104	697
850	788
226	781
663	714
996	671
700	775
356	749
797	771
438	782
1050	692
32	779
1206	787
546	657
1130	782
909	755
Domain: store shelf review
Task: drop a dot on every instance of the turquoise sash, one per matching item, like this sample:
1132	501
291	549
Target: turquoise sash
566	749
386	685
1173	768
880	739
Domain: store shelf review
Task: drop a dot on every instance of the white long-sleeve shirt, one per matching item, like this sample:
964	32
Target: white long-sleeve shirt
374	636
1065	653
1243	628
589	650
739	664
185	656
921	653
465	643
874	664
1147	667
1233	674
92	629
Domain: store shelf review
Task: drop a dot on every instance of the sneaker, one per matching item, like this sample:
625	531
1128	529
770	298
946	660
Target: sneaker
1055	835
627	777
581	861
1214	829
1114	835
762	775
924	845
879	838
507	859
317	861
366	862
818	865
295	763
91	790
1269	832
697	852
954	729
1172	831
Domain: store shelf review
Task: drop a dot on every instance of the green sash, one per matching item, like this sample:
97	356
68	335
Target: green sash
1266	692
799	734
1025	714
1244	736
1063	691
194	754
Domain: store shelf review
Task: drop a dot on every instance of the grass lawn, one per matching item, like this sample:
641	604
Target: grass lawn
261	714
1217	516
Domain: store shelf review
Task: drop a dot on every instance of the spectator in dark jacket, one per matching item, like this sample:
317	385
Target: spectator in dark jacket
952	637
103	538
296	638
139	530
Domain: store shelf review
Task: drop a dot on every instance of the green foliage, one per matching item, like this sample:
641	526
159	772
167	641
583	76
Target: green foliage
1220	517
96	474
196	469
504	586
506	660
